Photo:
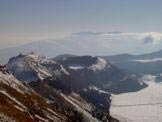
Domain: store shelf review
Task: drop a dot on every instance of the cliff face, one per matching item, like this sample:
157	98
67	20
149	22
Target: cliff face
18	102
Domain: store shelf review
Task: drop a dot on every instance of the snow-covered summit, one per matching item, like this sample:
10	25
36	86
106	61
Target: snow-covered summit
35	56
32	66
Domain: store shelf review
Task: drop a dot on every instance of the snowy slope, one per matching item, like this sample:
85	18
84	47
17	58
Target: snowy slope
100	64
18	102
74	99
8	79
141	106
81	106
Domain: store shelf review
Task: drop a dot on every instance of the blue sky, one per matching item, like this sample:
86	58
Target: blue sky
23	21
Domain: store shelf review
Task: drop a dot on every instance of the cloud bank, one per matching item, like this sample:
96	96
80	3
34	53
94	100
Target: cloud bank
105	43
94	43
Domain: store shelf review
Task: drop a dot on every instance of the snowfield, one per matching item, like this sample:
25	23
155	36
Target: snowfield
141	106
101	64
76	67
147	60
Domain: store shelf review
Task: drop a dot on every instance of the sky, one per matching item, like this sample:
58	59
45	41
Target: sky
24	21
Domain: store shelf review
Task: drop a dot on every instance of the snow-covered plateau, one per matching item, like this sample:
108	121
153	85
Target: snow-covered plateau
147	60
141	106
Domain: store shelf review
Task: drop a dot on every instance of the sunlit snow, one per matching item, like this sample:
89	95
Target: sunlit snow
76	67
141	106
100	65
147	60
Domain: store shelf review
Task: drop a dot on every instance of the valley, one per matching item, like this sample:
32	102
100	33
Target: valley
142	106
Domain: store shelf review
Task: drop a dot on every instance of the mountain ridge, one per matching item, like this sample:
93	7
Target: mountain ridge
57	86
145	63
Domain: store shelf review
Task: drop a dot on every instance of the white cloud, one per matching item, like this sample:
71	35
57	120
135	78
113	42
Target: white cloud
100	43
151	37
147	37
116	42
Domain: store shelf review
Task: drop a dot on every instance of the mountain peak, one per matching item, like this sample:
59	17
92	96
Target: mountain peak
32	66
35	56
31	55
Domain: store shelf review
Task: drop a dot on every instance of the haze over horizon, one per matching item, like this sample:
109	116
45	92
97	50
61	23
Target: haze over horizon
24	21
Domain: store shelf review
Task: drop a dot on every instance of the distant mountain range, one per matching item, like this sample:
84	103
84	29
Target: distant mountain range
52	48
42	47
150	63
145	63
